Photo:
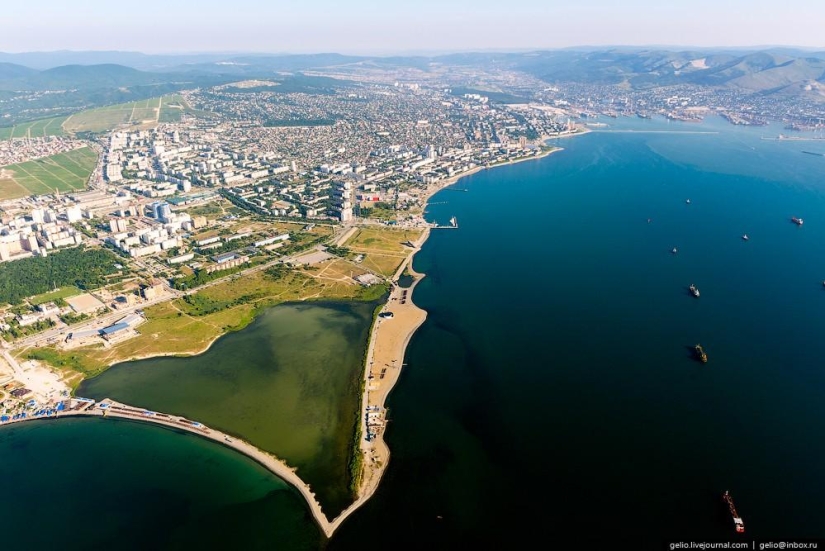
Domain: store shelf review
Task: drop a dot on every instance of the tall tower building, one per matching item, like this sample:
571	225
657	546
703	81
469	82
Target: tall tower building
342	200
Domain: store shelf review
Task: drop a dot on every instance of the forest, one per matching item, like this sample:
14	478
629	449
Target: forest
84	268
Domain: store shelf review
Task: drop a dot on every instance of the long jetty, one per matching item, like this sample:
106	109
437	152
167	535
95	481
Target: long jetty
115	410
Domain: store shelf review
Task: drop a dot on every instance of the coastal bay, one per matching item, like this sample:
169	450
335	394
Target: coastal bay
288	384
554	387
578	392
137	486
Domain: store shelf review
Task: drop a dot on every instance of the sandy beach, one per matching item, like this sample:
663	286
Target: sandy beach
391	333
385	353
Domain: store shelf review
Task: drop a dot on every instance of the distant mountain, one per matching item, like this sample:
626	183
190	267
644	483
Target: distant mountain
11	70
92	76
136	60
762	72
777	70
100	77
208	62
264	65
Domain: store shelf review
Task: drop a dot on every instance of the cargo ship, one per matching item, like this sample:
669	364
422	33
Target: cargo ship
737	520
797	221
693	290
700	353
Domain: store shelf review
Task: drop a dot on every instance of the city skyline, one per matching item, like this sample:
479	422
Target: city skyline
426	26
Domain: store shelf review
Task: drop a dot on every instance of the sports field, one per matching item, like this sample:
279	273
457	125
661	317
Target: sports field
64	172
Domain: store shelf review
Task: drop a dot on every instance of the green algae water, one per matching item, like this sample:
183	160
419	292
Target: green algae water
289	383
552	394
87	483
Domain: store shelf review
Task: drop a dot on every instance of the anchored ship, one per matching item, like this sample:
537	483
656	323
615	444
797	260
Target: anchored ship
737	520
797	221
700	353
693	290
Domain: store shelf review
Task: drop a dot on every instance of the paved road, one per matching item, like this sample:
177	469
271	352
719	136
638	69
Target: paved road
55	334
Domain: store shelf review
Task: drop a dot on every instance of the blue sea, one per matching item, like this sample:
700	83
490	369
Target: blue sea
553	393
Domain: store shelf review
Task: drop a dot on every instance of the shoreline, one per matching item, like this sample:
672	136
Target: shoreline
207	345
269	461
388	346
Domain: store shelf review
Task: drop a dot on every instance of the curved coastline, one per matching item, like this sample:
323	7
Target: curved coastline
386	349
279	468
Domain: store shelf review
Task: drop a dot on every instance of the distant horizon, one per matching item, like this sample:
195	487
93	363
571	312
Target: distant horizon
375	27
419	52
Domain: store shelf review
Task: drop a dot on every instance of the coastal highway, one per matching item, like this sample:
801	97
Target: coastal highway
55	333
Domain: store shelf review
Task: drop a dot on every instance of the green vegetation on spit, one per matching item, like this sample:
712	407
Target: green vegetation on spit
356	459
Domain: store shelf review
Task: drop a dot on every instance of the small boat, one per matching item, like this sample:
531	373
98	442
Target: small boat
674	251
700	353
693	290
797	221
688	201
745	237
738	523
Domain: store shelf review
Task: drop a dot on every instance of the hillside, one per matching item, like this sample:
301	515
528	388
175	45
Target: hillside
785	71
13	71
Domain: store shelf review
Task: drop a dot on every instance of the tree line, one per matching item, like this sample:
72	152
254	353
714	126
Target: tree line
84	268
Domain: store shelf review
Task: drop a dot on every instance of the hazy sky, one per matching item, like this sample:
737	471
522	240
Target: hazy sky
392	26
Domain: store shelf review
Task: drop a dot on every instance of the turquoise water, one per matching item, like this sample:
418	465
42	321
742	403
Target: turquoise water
86	483
552	393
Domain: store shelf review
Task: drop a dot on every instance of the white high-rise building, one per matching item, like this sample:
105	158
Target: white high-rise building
118	225
342	200
73	214
164	212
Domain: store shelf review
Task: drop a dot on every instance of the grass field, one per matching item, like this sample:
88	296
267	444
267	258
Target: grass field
142	114
34	129
108	118
382	239
383	248
180	328
63	292
65	172
172	108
